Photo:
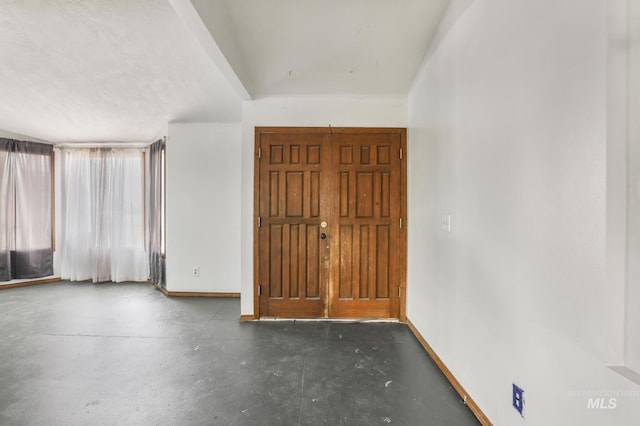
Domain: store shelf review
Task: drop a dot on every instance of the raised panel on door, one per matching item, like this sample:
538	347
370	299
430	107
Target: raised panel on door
365	229
293	202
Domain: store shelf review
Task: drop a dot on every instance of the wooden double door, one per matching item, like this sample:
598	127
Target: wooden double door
330	238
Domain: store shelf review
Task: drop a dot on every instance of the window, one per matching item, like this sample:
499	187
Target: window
103	216
26	234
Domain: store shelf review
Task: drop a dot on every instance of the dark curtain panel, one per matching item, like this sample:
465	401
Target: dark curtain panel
26	188
156	257
6	211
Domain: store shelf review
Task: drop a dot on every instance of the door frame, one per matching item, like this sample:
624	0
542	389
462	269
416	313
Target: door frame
259	130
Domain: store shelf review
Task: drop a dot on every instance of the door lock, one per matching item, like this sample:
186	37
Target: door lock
323	235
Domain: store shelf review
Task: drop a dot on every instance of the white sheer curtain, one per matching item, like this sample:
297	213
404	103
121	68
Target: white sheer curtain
33	256
103	216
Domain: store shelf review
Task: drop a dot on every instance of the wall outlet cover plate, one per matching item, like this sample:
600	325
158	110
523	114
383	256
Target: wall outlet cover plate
518	399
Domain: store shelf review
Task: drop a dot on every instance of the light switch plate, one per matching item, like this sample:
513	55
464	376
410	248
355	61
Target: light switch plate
446	222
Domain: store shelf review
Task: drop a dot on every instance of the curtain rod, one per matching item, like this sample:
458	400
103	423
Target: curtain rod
104	145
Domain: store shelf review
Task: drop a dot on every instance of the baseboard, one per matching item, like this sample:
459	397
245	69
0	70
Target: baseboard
250	317
30	282
197	294
475	409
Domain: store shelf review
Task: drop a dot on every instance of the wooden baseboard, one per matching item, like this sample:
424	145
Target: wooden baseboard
30	282
248	317
475	409
197	294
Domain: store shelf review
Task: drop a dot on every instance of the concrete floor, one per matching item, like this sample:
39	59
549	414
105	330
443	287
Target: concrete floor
125	354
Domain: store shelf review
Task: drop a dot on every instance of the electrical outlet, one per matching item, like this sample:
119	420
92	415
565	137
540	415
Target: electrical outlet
196	271
518	399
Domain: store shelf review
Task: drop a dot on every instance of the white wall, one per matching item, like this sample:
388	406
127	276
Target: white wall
203	207
508	134
632	357
617	119
337	111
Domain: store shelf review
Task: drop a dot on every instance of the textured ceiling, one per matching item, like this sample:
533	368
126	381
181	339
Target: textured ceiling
120	70
294	47
104	70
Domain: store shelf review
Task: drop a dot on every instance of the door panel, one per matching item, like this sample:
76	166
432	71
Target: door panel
366	232
293	262
346	186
